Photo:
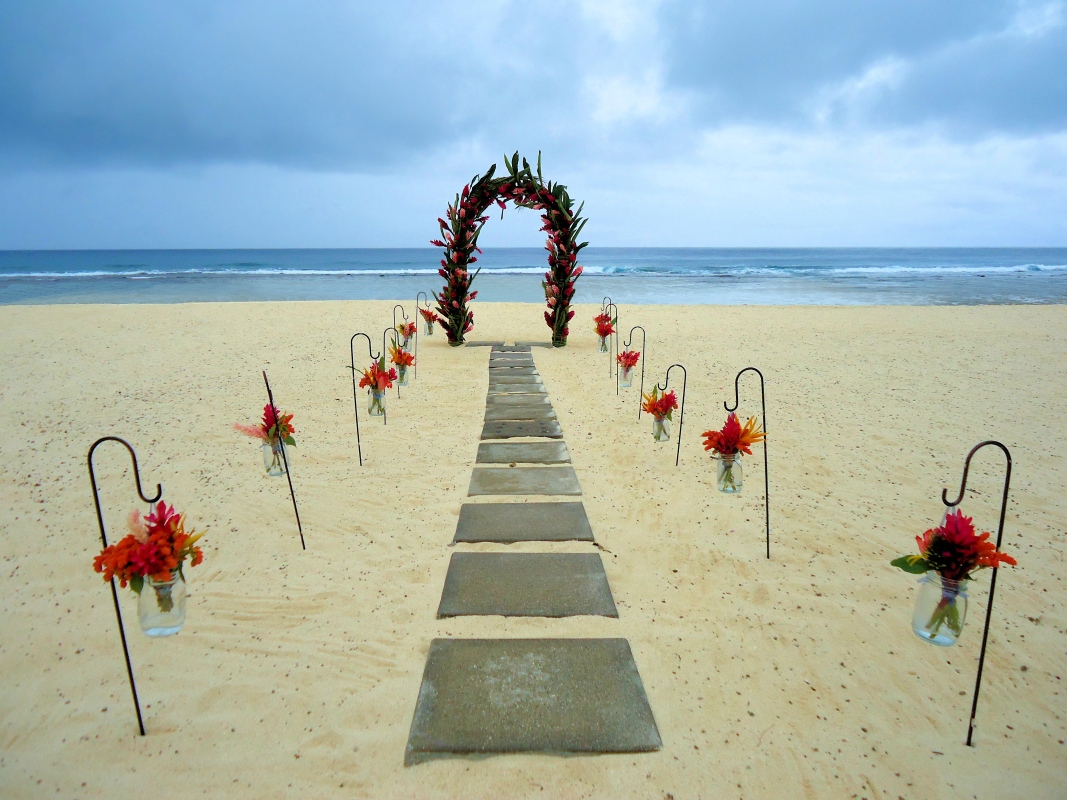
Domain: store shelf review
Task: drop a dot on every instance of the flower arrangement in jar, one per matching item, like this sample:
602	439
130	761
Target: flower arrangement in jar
660	406
275	429
728	444
627	360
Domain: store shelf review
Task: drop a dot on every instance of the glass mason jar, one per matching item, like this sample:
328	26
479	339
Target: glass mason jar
407	344
626	377
376	402
728	475
427	327
940	609
602	344
161	605
559	340
273	460
402	375
661	429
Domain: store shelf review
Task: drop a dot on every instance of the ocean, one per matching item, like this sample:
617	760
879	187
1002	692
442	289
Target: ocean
769	276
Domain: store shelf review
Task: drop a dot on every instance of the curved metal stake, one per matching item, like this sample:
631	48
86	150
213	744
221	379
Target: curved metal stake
681	410
613	340
766	479
103	538
403	313
993	579
396	341
355	399
629	339
285	459
604	304
417	307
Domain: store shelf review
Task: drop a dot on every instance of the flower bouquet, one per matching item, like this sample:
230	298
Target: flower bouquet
660	406
151	556
605	327
276	428
429	318
406	331
627	360
951	552
377	380
729	444
403	359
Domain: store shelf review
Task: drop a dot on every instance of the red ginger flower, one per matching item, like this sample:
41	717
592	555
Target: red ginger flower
400	356
954	550
376	377
733	438
628	358
658	405
155	548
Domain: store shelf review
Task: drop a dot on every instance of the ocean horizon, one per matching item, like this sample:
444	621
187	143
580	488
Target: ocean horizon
675	275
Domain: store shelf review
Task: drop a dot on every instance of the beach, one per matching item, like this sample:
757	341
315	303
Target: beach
297	671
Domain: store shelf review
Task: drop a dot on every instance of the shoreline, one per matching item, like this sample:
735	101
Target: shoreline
298	671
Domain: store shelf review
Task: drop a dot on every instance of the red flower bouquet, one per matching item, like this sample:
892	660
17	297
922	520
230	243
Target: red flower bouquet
627	359
733	439
659	405
155	548
276	424
377	378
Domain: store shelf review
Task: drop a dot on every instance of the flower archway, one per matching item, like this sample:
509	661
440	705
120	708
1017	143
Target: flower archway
460	231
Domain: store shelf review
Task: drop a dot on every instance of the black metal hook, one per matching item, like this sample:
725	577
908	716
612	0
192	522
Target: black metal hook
418	304
681	410
103	538
993	578
612	342
626	345
403	313
604	304
355	398
396	342
285	458
766	471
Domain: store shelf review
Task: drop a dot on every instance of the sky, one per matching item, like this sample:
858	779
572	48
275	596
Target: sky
345	124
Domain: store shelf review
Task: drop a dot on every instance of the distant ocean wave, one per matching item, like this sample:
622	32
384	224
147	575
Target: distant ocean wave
768	271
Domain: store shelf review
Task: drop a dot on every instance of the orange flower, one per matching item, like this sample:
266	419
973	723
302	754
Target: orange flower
156	547
733	438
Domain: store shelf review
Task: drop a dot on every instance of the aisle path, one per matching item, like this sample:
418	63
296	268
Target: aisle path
527	695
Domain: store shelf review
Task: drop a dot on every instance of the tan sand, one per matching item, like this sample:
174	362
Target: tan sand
297	672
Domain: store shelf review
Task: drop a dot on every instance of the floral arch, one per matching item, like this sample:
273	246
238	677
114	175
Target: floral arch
463	224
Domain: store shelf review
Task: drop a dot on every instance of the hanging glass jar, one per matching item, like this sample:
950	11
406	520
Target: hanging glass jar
407	344
661	428
940	609
376	402
602	344
273	460
626	377
161	605
427	327
402	375
728	475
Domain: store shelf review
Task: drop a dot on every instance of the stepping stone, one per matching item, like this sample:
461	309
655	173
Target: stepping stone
530	696
524	480
483	344
541	412
502	376
509	370
533	344
517	389
517	400
509	429
523	453
511	348
507	523
507	355
526	585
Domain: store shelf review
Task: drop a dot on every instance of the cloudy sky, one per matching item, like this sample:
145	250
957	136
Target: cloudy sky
330	124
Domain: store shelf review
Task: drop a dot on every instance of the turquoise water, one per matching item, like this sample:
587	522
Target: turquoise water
790	276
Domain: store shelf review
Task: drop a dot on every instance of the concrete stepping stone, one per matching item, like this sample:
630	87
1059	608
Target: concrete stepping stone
506	378
483	344
517	388
507	523
508	355
523	453
533	344
530	696
511	348
524	480
541	412
510	369
509	429
526	585
525	399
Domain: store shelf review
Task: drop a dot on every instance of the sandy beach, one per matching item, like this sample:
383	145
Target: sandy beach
297	672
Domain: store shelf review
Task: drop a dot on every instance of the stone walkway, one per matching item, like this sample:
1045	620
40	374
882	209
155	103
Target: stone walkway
526	695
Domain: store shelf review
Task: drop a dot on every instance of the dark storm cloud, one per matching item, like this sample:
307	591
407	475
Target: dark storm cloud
312	84
965	64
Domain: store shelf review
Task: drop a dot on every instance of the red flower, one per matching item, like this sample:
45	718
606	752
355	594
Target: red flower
954	550
627	359
733	438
